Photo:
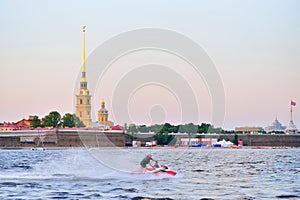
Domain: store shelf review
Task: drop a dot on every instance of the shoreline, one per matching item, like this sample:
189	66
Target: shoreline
138	148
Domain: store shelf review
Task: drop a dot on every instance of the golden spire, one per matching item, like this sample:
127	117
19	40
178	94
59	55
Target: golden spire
83	77
103	103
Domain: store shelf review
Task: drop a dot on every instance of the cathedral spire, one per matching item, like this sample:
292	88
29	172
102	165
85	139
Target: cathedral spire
83	97
83	81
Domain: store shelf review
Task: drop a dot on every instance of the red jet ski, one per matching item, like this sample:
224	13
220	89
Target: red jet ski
160	171
156	170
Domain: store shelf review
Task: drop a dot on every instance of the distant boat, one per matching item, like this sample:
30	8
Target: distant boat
38	149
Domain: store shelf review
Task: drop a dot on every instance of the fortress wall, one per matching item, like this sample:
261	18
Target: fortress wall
96	139
63	138
90	139
265	140
9	142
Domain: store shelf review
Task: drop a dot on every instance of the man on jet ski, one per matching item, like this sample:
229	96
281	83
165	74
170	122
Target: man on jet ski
146	161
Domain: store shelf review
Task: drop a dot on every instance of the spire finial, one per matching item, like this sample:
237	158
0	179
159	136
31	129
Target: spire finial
83	49
103	103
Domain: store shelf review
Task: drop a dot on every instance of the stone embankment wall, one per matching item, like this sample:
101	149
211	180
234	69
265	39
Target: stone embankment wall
62	138
266	140
94	139
256	139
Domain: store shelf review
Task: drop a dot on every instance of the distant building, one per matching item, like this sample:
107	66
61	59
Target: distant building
248	129
275	126
6	126
118	128
23	124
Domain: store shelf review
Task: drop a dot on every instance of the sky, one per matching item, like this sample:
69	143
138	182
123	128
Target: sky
254	46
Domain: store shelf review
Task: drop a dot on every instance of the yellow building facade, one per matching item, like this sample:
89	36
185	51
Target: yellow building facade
103	115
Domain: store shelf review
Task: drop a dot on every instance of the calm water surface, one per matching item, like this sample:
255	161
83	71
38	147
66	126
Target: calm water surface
202	174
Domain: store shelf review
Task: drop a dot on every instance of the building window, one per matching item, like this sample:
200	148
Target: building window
88	101
88	113
80	101
80	114
102	119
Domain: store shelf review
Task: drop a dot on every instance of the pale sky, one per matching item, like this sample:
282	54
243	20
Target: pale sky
254	45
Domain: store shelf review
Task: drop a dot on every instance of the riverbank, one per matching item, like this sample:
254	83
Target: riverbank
93	139
34	148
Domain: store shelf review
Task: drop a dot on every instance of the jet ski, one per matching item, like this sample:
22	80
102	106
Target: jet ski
156	170
160	171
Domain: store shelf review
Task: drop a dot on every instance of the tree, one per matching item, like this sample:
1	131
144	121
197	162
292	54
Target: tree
188	128
132	130
143	129
164	139
165	128
204	128
156	128
36	122
53	119
68	120
235	140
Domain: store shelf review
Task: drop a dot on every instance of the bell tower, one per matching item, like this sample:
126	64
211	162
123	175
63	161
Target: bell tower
83	97
103	115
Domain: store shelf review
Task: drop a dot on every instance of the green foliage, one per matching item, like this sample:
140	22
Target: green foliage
264	132
68	120
188	128
156	128
165	128
204	128
132	129
36	122
53	119
215	130
277	132
235	140
164	139
143	129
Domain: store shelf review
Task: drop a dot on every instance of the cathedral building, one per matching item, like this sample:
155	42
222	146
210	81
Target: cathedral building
83	97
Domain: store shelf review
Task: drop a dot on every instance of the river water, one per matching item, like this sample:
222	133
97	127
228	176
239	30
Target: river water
105	174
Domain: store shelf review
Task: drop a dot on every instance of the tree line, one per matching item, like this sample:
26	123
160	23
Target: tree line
162	131
55	120
189	128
